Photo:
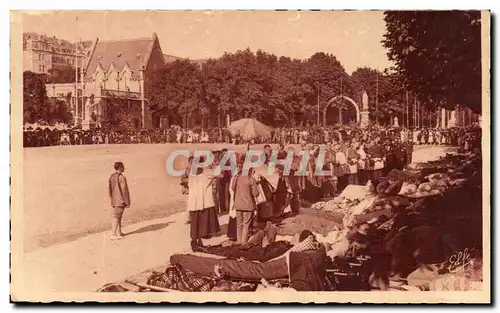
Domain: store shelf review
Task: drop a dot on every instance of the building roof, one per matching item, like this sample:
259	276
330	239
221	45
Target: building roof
133	52
200	61
57	44
171	58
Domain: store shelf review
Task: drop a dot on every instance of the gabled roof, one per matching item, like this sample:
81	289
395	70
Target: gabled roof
171	58
112	67
99	66
126	66
200	61
134	52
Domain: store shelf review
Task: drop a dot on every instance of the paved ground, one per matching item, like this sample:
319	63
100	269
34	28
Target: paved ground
72	188
92	261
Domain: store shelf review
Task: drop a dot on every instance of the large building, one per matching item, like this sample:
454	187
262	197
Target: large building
117	74
41	53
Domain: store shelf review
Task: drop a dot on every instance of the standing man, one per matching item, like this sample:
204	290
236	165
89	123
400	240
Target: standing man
352	162
120	199
244	187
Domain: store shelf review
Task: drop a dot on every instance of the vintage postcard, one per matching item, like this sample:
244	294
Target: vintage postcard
250	156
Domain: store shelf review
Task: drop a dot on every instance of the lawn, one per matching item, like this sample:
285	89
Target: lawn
66	189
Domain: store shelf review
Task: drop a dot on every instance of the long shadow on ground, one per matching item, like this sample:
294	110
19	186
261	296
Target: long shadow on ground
149	228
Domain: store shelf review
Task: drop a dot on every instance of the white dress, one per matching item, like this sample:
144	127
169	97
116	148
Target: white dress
200	192
415	136
431	137
361	158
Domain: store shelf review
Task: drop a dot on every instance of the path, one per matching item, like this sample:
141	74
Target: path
90	262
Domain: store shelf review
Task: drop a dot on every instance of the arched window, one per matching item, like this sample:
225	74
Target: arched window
126	78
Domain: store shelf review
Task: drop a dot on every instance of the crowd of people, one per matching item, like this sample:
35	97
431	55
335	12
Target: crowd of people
291	135
352	157
397	236
257	199
355	158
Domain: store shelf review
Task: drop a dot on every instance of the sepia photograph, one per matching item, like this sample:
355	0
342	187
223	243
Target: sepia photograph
250	156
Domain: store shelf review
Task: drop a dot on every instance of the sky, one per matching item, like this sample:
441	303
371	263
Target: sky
354	37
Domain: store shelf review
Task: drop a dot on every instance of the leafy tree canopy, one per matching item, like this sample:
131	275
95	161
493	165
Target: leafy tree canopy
36	106
437	54
62	75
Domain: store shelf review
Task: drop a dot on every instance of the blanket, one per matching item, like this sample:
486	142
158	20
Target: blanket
244	270
253	253
177	278
308	270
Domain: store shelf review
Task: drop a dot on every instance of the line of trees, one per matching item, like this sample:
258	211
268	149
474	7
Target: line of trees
276	90
437	57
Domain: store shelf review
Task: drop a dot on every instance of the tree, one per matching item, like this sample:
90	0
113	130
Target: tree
438	55
290	92
34	97
325	70
391	98
120	114
59	112
177	89
218	91
241	84
62	75
37	107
